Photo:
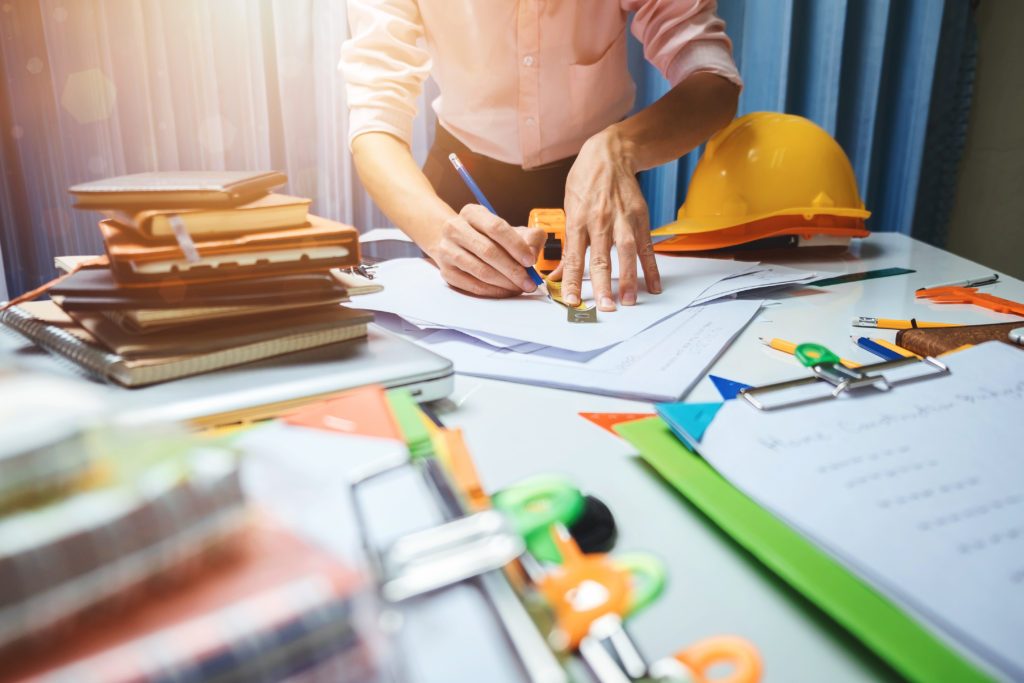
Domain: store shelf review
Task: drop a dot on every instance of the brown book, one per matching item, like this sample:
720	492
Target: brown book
217	335
932	341
146	320
96	289
176	189
125	245
270	212
137	372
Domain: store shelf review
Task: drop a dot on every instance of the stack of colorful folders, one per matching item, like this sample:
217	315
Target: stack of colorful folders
128	557
202	271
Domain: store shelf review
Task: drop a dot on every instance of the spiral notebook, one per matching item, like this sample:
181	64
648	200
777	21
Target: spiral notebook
74	345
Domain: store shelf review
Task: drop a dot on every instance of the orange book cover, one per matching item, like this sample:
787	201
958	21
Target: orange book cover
125	245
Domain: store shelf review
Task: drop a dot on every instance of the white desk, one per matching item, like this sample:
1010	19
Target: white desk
515	430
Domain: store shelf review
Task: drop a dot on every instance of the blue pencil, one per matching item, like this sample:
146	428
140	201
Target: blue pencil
870	345
475	189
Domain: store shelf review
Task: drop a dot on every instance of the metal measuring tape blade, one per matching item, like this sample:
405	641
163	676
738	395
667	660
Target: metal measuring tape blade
576	314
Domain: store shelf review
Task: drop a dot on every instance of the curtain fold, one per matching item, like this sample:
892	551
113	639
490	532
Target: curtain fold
865	71
97	88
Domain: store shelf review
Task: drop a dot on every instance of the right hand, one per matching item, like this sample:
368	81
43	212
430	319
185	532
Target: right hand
482	254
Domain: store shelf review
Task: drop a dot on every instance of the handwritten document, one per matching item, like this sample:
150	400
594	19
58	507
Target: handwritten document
920	490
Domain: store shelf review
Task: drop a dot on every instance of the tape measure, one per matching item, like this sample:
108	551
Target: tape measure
576	314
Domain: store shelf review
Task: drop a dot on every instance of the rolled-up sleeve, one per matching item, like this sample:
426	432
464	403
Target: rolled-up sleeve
683	37
384	66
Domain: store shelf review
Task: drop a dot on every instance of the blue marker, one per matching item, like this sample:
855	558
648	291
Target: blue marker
482	200
874	347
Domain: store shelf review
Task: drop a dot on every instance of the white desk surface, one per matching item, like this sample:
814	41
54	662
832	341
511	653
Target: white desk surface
516	430
714	586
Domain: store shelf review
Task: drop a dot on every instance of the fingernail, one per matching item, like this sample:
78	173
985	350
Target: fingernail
527	285
628	298
572	299
607	304
526	261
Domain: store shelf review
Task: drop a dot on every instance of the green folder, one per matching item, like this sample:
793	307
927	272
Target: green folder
906	645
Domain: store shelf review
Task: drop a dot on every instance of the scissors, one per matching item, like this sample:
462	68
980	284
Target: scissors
695	663
593	593
586	587
969	295
534	505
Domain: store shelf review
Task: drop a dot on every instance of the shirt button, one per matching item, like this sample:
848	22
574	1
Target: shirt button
528	60
529	122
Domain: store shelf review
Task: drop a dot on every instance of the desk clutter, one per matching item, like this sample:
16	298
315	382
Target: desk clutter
134	556
854	482
353	538
163	555
202	271
527	573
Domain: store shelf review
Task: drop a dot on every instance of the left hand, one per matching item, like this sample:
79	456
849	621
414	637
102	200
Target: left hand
604	206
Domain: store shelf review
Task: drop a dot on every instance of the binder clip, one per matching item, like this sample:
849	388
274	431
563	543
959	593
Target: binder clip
833	380
365	270
435	563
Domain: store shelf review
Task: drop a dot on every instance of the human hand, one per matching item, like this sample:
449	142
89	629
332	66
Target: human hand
604	206
482	254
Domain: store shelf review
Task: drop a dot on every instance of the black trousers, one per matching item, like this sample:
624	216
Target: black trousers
511	189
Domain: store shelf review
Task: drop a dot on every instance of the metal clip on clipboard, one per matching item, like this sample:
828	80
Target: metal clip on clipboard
833	380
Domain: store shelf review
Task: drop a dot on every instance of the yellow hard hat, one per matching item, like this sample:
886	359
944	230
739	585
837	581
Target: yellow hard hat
768	164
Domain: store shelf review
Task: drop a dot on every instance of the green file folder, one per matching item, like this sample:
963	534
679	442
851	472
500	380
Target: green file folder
906	645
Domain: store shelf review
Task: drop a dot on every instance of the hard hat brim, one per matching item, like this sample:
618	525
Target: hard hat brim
750	232
692	226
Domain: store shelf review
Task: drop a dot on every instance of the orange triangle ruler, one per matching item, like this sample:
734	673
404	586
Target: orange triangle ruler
608	420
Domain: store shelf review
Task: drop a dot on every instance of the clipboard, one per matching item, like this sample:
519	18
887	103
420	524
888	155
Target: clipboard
904	644
836	381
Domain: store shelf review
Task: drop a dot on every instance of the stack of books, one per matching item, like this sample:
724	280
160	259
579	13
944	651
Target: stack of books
129	556
202	270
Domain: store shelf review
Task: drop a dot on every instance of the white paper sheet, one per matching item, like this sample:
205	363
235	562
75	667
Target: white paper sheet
919	489
382	234
758	277
413	287
659	365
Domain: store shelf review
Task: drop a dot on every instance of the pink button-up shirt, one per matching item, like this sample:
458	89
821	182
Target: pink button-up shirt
525	82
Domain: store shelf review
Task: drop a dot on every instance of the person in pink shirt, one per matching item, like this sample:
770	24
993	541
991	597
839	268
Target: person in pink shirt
534	100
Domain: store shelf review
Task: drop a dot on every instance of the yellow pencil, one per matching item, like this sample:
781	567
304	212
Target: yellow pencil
897	349
893	324
790	348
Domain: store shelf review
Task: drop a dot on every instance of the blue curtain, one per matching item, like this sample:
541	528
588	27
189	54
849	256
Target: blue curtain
889	79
